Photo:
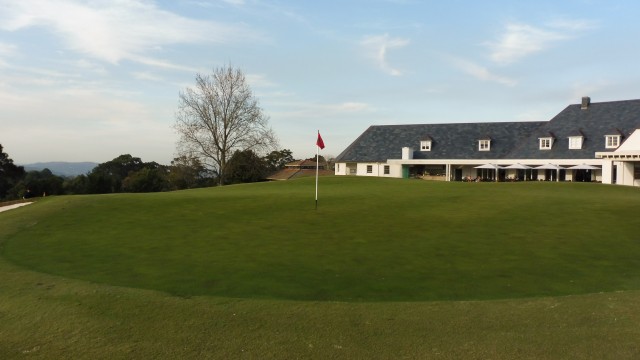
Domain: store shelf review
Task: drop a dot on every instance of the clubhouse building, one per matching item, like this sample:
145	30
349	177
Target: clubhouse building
584	142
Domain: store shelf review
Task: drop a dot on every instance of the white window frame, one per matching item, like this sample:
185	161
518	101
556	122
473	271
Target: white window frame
484	145
386	170
425	145
612	141
575	142
369	169
546	143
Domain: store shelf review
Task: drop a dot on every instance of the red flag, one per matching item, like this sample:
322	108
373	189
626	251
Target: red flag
320	143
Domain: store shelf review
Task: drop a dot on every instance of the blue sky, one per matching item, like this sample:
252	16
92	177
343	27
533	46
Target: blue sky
91	80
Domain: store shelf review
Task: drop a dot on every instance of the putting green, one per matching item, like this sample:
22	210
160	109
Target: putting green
369	240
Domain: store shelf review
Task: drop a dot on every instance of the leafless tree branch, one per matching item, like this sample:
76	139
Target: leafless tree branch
220	115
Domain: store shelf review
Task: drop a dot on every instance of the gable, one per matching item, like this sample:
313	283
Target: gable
632	143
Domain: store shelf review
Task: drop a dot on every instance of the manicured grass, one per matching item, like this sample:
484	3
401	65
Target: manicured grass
370	240
44	316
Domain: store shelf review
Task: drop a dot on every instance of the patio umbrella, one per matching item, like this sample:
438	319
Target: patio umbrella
520	167
584	167
490	166
551	167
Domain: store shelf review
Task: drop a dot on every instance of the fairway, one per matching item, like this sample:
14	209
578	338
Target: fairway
369	240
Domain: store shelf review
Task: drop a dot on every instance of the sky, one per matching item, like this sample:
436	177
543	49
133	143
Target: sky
92	80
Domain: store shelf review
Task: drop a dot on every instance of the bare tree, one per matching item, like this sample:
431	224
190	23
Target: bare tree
220	115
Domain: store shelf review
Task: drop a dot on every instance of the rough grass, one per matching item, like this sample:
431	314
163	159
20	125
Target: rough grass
50	316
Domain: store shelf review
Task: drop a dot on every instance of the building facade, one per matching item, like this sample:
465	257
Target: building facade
584	142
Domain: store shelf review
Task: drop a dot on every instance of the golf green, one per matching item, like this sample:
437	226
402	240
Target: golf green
370	239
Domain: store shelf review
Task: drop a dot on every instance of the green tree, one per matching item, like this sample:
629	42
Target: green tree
10	175
41	183
76	185
277	159
148	179
246	166
219	116
107	177
187	172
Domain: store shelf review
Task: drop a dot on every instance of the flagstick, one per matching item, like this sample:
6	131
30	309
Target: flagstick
317	169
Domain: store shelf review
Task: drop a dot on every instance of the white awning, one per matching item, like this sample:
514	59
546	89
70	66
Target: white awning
583	167
489	166
518	166
549	167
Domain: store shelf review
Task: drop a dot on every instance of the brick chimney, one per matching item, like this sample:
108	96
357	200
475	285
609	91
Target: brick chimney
586	101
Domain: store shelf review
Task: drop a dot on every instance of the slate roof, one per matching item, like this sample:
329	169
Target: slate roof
509	140
595	122
448	141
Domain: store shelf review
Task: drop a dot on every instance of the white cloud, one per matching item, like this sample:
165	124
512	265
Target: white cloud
304	110
216	3
574	26
6	50
81	123
91	66
163	64
259	80
349	107
146	76
113	31
377	47
521	40
482	73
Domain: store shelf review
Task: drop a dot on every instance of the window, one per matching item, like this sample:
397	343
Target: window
484	145
425	145
613	141
575	142
337	167
386	169
546	143
369	169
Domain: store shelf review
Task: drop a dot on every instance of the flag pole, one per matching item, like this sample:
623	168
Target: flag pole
317	169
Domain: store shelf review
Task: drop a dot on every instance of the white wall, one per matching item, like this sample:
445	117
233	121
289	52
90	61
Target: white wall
362	169
341	168
607	172
632	143
625	173
541	175
377	169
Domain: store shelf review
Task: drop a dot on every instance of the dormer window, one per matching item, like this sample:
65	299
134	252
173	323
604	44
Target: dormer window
425	145
612	141
575	142
484	145
546	143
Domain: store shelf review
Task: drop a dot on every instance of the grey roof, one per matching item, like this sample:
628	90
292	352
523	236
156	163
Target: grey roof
595	122
448	141
509	140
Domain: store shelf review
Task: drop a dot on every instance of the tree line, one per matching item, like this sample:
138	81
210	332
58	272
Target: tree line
222	133
127	173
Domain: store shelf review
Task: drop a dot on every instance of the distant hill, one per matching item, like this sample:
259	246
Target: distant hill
62	168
